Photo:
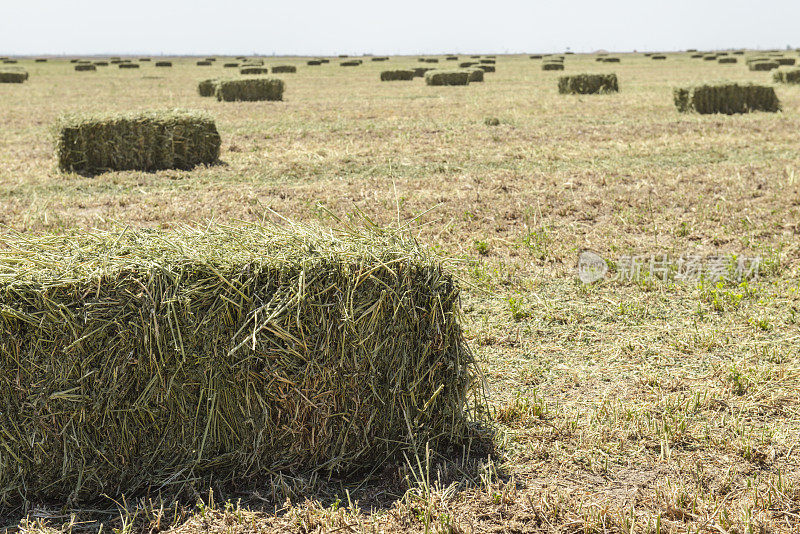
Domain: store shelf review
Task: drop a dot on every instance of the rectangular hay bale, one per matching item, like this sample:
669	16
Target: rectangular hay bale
13	75
254	70
145	141
83	67
278	69
786	75
139	362
726	98
447	77
588	84
249	90
397	75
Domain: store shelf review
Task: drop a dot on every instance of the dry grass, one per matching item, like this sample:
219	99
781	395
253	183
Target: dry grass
639	407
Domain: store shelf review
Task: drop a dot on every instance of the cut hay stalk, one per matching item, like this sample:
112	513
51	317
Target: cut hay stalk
397	75
254	70
447	77
148	141
587	84
726	98
278	69
249	90
81	67
163	63
220	356
13	75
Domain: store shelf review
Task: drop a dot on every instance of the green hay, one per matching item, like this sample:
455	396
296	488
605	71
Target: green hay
552	65
207	87
397	75
143	362
13	75
163	63
791	76
71	60
203	63
419	72
726	98
250	90
727	60
128	66
230	65
763	65
81	67
587	84
475	75
254	70
447	77
147	141
279	69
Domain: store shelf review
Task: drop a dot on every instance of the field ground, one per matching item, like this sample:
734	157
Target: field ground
644	406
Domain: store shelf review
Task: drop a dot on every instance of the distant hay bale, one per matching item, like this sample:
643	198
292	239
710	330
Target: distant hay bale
475	75
791	76
349	63
536	56
211	59
397	75
83	62
163	63
128	66
115	61
467	64
738	52
599	59
486	68
146	141
451	58
431	60
324	60
658	57
207	87
144	59
697	56
82	67
474	57
419	72
101	63
447	77
254	70
71	60
278	69
552	65
588	84
221	354
203	63
250	90
230	65
763	65
13	75
253	63
40	60
611	60
115	58
648	54
343	56
726	98
313	62
487	61
727	60
691	50
380	58
710	57
785	61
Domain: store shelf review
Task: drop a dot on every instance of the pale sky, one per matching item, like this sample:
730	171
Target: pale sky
310	27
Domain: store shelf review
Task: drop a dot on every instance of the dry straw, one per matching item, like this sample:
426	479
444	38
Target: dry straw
148	141
727	98
141	362
586	84
447	77
397	75
249	89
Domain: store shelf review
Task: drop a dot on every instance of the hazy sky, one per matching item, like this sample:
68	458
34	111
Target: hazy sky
309	27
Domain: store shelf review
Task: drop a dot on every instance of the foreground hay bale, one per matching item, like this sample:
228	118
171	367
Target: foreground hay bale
148	141
786	75
254	70
552	65
207	87
397	75
163	63
82	67
784	61
475	75
727	60
447	77
128	66
13	75
220	356
283	68
249	90
727	98
763	65
587	84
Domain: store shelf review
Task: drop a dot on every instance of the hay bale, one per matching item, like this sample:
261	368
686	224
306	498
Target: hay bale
221	356
324	60
475	75
486	68
116	61
101	63
587	84
230	65
397	75
249	90
598	59
313	62
447	77
278	69
727	98
83	62
451	58
163	63
785	61
40	60
710	57
726	60
144	59
763	65
211	59
786	76
253	63
487	61
658	57
254	70
738	52
71	60
147	141
128	66
380	58
81	67
349	63
552	65
203	63
431	60
697	56
13	75
115	58
536	56
611	60
342	56
474	57
207	87
419	72
467	64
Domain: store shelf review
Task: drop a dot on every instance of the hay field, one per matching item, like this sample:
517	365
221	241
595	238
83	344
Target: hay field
638	406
